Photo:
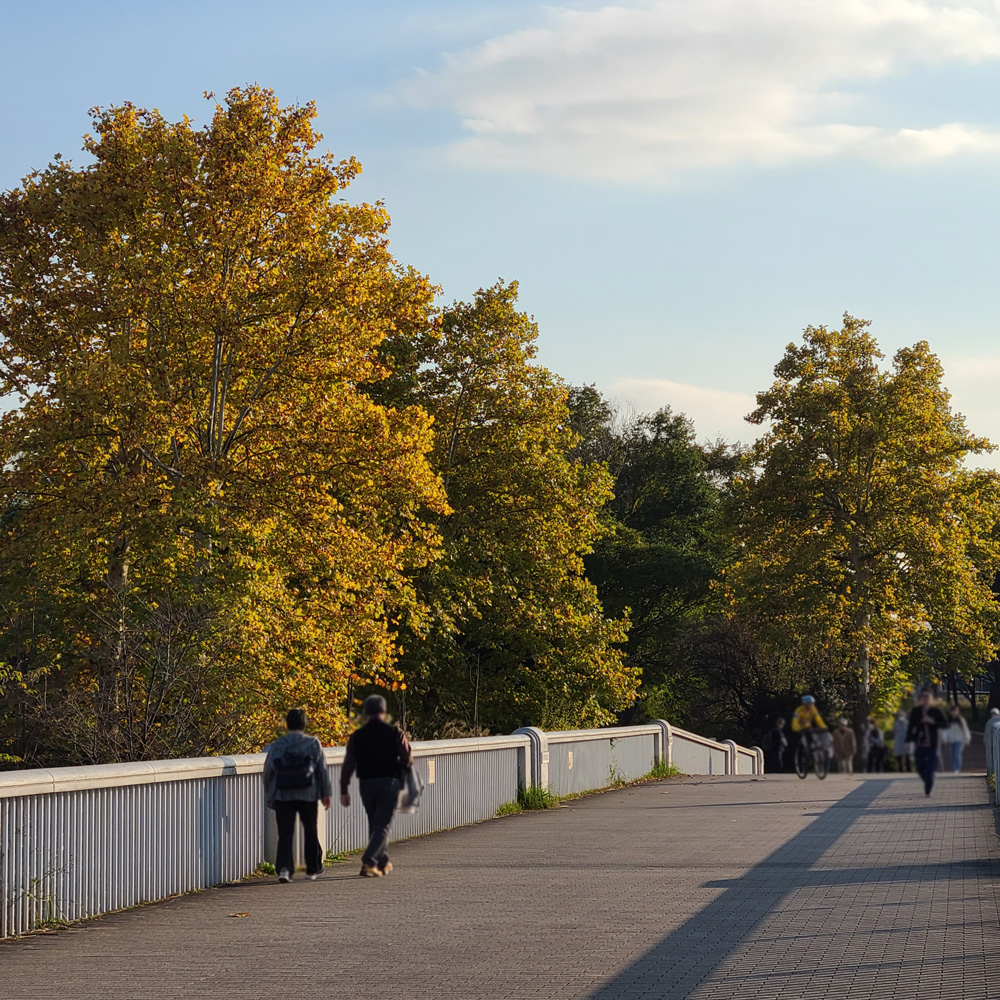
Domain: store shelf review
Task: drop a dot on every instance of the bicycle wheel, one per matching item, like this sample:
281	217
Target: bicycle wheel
822	765
801	761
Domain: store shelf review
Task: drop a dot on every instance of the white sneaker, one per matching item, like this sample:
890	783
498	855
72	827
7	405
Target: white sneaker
312	878
284	875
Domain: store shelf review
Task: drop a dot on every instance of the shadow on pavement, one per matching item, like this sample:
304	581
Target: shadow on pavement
673	969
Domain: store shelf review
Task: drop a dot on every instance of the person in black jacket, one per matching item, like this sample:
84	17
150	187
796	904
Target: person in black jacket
380	754
926	724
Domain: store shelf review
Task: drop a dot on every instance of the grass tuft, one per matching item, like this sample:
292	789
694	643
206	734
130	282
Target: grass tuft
663	770
536	798
337	857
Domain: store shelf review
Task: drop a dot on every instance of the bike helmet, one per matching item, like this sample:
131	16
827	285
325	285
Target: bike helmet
808	699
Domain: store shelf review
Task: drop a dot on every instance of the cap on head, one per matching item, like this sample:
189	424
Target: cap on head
374	705
808	699
994	712
842	721
296	719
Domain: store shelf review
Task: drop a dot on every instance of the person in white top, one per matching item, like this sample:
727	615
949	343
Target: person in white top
957	736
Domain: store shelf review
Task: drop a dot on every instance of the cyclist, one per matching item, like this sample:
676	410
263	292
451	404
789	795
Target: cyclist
807	720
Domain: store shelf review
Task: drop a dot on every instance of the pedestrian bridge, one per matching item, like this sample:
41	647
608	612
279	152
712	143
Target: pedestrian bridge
714	886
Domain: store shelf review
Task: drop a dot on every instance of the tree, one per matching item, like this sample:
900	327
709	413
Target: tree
206	519
518	635
664	547
861	533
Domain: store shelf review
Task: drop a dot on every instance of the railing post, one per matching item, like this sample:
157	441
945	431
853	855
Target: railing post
731	756
665	744
539	756
758	764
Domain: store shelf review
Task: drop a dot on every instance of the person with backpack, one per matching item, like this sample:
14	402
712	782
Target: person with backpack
378	751
295	782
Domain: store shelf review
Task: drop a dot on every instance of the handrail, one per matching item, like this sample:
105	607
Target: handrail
695	738
46	781
612	733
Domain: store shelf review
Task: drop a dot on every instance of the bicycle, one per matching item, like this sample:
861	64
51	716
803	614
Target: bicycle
809	758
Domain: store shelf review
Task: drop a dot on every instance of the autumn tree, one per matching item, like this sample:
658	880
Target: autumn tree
862	534
517	634
205	518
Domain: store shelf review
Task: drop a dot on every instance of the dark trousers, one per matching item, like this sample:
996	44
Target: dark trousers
379	797
285	813
926	760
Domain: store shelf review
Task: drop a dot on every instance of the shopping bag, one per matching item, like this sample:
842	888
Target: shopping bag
410	792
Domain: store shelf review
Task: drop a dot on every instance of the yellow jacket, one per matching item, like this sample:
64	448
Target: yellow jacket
807	717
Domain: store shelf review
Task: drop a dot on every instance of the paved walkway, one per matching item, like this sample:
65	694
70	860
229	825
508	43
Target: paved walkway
710	889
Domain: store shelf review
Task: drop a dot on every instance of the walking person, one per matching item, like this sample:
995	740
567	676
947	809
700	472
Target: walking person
902	749
777	744
380	754
874	747
989	736
926	723
845	746
295	782
957	736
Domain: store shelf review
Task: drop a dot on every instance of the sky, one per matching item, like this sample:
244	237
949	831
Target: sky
679	186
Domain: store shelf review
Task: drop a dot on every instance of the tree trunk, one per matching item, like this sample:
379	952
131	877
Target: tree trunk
110	663
862	708
993	669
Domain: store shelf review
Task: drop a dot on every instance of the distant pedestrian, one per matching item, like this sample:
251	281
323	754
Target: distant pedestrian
295	781
957	736
776	743
902	749
926	724
845	746
874	747
989	736
380	754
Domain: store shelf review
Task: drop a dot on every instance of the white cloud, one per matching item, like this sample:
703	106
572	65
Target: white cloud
648	90
973	382
715	412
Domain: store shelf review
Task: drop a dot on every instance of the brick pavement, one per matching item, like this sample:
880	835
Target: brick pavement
709	889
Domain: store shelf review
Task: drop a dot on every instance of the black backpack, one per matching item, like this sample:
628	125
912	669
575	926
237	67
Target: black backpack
294	769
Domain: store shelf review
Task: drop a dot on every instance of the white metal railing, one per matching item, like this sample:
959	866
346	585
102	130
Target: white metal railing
80	841
991	742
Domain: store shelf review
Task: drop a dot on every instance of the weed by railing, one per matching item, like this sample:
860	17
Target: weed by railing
529	799
661	769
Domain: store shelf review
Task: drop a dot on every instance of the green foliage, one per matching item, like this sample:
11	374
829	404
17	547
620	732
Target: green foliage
865	539
662	770
537	798
265	868
510	809
517	634
664	546
337	857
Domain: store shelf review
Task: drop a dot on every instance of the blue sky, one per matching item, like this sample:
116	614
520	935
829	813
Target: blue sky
680	186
